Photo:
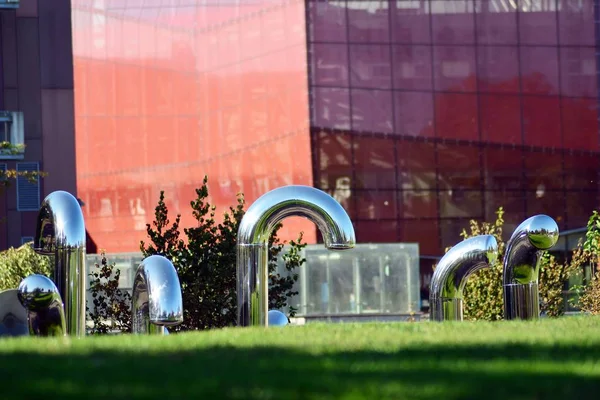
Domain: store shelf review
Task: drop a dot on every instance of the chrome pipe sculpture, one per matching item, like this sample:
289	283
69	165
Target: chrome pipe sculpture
522	266
253	238
60	233
156	300
277	318
45	309
13	316
452	272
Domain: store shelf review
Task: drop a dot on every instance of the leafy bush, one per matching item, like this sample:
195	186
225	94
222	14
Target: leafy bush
18	263
206	263
112	306
589	300
483	295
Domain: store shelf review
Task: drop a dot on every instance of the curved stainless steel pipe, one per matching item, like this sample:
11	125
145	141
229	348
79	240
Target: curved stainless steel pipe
156	300
45	310
522	266
60	233
452	272
13	316
253	240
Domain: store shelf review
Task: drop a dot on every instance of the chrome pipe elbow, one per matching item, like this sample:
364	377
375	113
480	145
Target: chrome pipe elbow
60	232
253	238
521	270
156	300
452	272
45	310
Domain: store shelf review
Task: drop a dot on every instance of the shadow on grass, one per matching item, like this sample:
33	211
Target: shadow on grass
432	372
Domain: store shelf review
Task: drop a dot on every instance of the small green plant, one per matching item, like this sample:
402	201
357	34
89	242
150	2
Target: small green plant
112	306
589	299
18	263
206	262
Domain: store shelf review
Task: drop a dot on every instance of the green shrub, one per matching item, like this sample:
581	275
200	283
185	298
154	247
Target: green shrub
112	306
483	294
589	299
206	262
18	263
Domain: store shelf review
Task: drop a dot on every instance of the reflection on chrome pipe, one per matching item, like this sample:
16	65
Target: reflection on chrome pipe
521	266
61	233
277	318
253	238
156	299
45	310
13	316
452	272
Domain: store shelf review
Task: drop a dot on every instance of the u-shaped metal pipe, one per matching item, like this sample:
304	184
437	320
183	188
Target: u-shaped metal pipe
60	233
253	239
452	272
521	271
156	300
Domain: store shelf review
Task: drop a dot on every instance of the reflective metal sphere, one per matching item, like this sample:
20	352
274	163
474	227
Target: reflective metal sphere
542	231
37	292
277	318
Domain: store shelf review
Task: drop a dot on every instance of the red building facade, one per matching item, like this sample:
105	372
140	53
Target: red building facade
417	115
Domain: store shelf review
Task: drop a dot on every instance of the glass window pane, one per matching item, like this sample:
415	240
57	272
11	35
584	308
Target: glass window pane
414	114
578	72
374	204
418	203
452	21
537	22
498	69
541	121
416	165
331	108
412	67
459	167
385	231
539	70
330	64
513	204
460	203
327	20
424	232
500	119
581	171
450	231
576	22
335	167
369	20
496	23
375	162
543	171
372	111
456	116
370	66
503	168
410	21
580	123
454	68
580	206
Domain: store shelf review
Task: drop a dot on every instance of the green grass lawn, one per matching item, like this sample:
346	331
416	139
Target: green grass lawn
548	359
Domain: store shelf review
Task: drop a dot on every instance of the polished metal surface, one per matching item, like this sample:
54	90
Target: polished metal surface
45	309
451	274
60	233
13	316
156	299
253	237
522	266
277	318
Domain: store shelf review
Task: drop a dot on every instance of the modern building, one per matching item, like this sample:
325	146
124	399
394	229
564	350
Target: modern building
417	115
36	109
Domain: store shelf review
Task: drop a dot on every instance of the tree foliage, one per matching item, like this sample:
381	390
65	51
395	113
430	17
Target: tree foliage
17	264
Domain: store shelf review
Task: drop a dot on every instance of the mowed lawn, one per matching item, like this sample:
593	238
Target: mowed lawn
547	359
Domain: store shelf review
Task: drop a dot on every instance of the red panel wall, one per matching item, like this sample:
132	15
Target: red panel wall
167	94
